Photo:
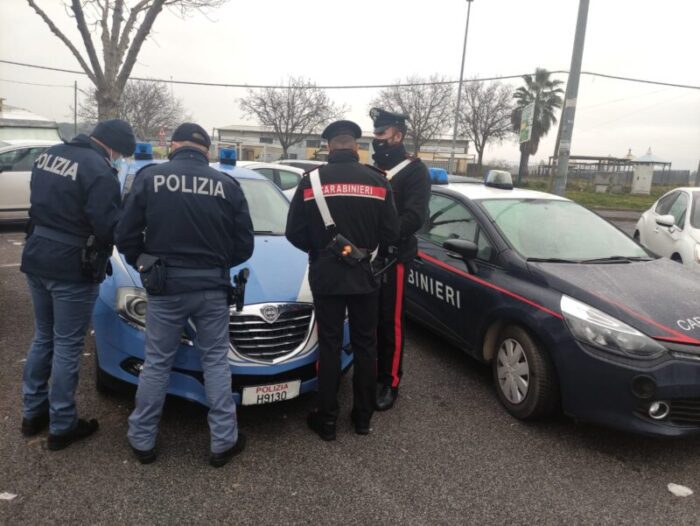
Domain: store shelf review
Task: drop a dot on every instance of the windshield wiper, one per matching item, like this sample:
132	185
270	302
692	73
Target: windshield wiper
551	260
617	259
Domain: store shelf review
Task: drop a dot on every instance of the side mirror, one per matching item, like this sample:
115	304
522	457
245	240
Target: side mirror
465	250
666	220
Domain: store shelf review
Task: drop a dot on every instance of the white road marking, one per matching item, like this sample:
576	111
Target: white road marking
10	265
679	491
7	496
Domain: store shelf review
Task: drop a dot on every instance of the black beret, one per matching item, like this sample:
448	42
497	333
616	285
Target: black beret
189	131
384	119
341	128
117	135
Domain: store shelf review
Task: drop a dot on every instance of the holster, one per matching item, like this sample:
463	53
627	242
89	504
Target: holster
153	273
346	251
94	260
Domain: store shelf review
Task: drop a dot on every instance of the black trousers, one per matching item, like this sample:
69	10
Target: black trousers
390	331
330	316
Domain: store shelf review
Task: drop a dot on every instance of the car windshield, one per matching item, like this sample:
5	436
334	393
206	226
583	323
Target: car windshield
268	207
695	214
548	229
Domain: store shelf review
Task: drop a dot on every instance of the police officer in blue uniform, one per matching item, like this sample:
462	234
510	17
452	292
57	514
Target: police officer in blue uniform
361	208
74	208
410	182
197	226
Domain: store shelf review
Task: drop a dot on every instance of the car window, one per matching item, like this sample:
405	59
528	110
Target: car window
664	204
695	214
557	229
20	160
288	179
267	205
267	172
450	219
678	209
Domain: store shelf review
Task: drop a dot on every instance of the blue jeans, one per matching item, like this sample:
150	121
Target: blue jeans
62	312
166	317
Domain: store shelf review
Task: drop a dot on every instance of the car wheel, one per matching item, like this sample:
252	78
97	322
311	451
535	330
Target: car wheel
525	379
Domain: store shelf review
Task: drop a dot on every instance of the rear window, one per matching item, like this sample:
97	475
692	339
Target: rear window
695	213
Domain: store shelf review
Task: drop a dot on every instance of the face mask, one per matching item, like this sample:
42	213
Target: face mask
380	145
387	155
116	163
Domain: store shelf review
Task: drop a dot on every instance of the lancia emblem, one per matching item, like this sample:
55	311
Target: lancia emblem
270	313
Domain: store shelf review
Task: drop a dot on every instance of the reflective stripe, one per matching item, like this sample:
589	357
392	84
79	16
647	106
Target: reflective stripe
398	329
396	169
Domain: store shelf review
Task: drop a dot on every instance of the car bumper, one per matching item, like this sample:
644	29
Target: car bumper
601	389
120	353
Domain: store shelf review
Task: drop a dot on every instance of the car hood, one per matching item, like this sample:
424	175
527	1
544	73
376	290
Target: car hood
278	272
660	298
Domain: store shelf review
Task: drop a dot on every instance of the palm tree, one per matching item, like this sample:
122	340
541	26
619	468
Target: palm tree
547	96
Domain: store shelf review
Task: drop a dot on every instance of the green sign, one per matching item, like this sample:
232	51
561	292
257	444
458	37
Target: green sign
526	118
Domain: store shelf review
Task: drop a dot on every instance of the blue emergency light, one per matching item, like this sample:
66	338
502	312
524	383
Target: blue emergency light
438	175
227	156
144	151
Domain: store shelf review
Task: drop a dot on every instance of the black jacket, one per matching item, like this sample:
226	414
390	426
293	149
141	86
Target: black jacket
411	187
360	202
75	190
194	217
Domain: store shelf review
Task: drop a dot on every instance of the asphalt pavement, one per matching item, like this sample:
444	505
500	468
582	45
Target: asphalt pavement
446	454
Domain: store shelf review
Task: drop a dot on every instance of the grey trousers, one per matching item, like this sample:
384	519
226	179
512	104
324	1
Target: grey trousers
165	319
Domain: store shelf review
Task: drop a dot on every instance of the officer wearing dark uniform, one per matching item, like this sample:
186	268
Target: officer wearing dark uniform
361	206
410	182
74	208
197	226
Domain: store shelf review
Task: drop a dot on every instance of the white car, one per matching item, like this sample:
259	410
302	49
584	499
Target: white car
16	161
671	227
286	177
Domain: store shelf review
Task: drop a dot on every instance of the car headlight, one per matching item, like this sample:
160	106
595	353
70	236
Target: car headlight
594	327
697	253
131	305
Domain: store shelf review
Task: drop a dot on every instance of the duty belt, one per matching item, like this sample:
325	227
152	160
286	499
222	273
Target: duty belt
57	235
180	272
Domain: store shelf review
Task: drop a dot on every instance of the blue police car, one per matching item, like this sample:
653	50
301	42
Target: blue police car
568	310
273	341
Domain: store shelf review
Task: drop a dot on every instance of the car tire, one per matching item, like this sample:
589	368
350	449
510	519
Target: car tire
524	376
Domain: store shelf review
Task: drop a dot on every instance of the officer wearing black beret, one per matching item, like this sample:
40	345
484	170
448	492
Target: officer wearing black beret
197	227
340	213
410	182
74	208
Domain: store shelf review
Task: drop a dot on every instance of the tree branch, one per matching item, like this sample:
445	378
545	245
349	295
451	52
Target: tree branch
87	40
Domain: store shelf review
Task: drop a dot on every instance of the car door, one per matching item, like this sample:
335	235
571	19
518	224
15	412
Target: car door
669	238
16	169
653	239
444	290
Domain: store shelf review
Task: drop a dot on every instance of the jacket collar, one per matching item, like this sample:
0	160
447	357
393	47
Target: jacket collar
187	152
343	156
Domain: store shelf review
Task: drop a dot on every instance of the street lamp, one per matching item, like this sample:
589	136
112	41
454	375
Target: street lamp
459	89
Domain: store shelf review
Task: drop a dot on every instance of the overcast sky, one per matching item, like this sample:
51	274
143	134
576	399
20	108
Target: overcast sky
382	41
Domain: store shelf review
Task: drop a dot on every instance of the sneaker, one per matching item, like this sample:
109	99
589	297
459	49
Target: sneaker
84	429
145	456
325	428
34	426
221	459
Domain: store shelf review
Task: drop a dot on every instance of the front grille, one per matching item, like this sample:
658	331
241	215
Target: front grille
254	337
684	412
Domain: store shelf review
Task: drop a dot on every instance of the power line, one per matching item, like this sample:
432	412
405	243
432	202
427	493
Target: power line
36	84
358	86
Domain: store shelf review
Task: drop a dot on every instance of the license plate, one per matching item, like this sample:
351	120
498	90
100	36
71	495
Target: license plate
266	394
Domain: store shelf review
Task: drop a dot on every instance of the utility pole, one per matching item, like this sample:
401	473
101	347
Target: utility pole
75	108
459	89
566	125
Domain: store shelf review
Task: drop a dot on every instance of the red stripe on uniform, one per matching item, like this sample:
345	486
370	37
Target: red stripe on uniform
348	189
397	325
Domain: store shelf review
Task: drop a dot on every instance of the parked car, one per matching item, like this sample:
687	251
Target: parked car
671	227
16	160
568	310
305	165
286	177
273	340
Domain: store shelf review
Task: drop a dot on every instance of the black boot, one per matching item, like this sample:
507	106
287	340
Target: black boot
221	459
324	427
145	456
83	430
361	425
34	426
386	396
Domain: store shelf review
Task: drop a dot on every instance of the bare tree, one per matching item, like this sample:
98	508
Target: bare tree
294	112
147	105
123	27
428	106
486	114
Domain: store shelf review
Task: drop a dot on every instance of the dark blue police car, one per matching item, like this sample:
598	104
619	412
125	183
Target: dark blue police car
569	311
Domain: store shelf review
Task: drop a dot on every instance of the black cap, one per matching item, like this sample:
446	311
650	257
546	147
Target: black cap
189	131
384	119
117	135
341	128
